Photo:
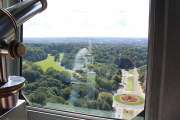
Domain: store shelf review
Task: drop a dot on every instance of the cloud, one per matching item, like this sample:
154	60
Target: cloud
123	23
80	11
121	11
90	18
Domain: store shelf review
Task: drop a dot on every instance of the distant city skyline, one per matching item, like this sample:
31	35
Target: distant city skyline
95	18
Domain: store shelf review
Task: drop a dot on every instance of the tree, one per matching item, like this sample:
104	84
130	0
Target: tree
108	97
40	98
65	93
60	99
106	106
136	64
123	62
117	78
108	76
56	58
54	52
31	76
93	104
90	66
37	68
64	76
126	67
30	86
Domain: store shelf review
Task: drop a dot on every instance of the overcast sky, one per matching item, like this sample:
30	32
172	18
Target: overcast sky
90	18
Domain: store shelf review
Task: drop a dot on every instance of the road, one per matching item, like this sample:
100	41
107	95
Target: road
120	107
135	81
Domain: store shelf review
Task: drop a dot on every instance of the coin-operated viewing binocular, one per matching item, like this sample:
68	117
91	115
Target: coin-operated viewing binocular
10	19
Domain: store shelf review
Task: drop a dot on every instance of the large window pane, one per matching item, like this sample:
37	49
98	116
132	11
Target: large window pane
88	56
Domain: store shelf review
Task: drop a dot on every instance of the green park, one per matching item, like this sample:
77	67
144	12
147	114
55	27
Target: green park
130	84
49	62
131	71
46	68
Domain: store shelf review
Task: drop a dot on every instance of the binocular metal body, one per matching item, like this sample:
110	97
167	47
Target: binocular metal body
10	19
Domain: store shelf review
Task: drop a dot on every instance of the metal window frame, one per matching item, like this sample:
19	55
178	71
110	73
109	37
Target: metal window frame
157	30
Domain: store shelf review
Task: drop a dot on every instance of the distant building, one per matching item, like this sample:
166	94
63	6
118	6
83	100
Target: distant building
88	55
92	73
79	71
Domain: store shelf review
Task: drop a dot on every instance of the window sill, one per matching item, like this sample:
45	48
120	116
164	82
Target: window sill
37	113
54	114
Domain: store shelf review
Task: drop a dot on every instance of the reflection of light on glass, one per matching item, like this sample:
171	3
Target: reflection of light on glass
80	60
73	96
79	65
90	86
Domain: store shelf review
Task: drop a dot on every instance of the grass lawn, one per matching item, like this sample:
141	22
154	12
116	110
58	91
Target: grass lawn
130	84
49	62
128	114
118	99
131	71
49	58
61	55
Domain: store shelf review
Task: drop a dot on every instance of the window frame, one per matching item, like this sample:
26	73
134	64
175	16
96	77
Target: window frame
153	13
